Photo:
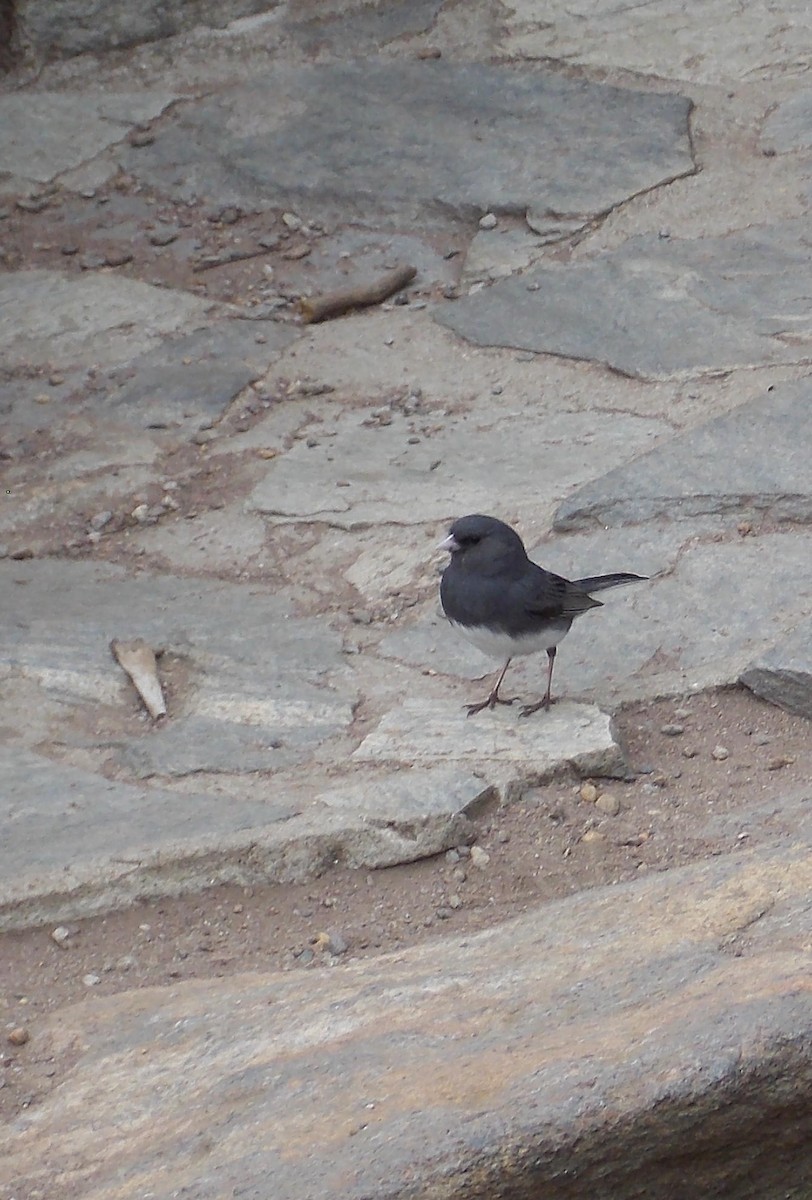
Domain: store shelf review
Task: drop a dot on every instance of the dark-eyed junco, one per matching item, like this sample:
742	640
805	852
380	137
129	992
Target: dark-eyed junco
505	604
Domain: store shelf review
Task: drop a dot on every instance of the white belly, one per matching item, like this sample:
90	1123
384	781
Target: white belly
501	647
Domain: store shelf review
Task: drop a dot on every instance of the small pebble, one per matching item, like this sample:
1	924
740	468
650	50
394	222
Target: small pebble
588	792
777	764
720	753
140	513
672	730
688	752
592	836
497	389
61	935
91	980
290	220
452	856
489	221
609	804
117	258
162	236
464	851
761	739
336	944
100	519
442	913
459	874
454	901
18	1036
479	857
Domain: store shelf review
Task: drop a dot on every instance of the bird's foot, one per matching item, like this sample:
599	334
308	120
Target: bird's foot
490	701
529	709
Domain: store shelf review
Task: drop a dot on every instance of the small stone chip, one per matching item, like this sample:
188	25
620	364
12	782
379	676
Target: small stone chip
609	804
720	753
18	1036
672	730
61	935
479	857
588	792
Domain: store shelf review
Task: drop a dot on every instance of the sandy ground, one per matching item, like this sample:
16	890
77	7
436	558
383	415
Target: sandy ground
702	766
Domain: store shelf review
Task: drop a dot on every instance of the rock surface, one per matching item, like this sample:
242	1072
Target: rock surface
657	306
316	145
598	1038
784	674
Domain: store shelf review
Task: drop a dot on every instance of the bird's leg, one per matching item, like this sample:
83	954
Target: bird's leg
493	698
548	699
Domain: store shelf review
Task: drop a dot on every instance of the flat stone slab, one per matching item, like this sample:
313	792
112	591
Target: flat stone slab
751	462
43	134
362	472
303	136
789	126
47	317
784	674
511	752
596	1038
715	601
664	38
81	26
658	307
255	692
119	842
194	377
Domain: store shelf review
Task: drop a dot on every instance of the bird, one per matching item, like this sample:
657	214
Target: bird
505	604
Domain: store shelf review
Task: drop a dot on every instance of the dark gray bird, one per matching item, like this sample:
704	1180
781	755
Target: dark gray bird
505	604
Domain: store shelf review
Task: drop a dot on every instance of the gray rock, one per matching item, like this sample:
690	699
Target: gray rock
730	44
751	462
43	134
309	141
498	1062
655	308
256	694
47	317
511	753
789	126
460	466
407	814
77	26
193	377
784	674
360	30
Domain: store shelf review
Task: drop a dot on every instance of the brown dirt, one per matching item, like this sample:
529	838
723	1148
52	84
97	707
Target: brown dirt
684	804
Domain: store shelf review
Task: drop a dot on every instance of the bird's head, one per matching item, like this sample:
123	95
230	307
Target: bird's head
477	537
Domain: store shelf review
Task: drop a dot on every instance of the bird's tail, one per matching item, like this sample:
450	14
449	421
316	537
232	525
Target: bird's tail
599	583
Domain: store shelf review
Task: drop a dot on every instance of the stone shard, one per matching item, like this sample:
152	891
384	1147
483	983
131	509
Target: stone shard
784	674
303	136
658	307
604	1037
719	468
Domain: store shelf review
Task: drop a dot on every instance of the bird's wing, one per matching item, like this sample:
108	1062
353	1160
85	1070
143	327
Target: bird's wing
552	596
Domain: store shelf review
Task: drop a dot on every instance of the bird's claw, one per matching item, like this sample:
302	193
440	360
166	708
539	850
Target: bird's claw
489	702
529	709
